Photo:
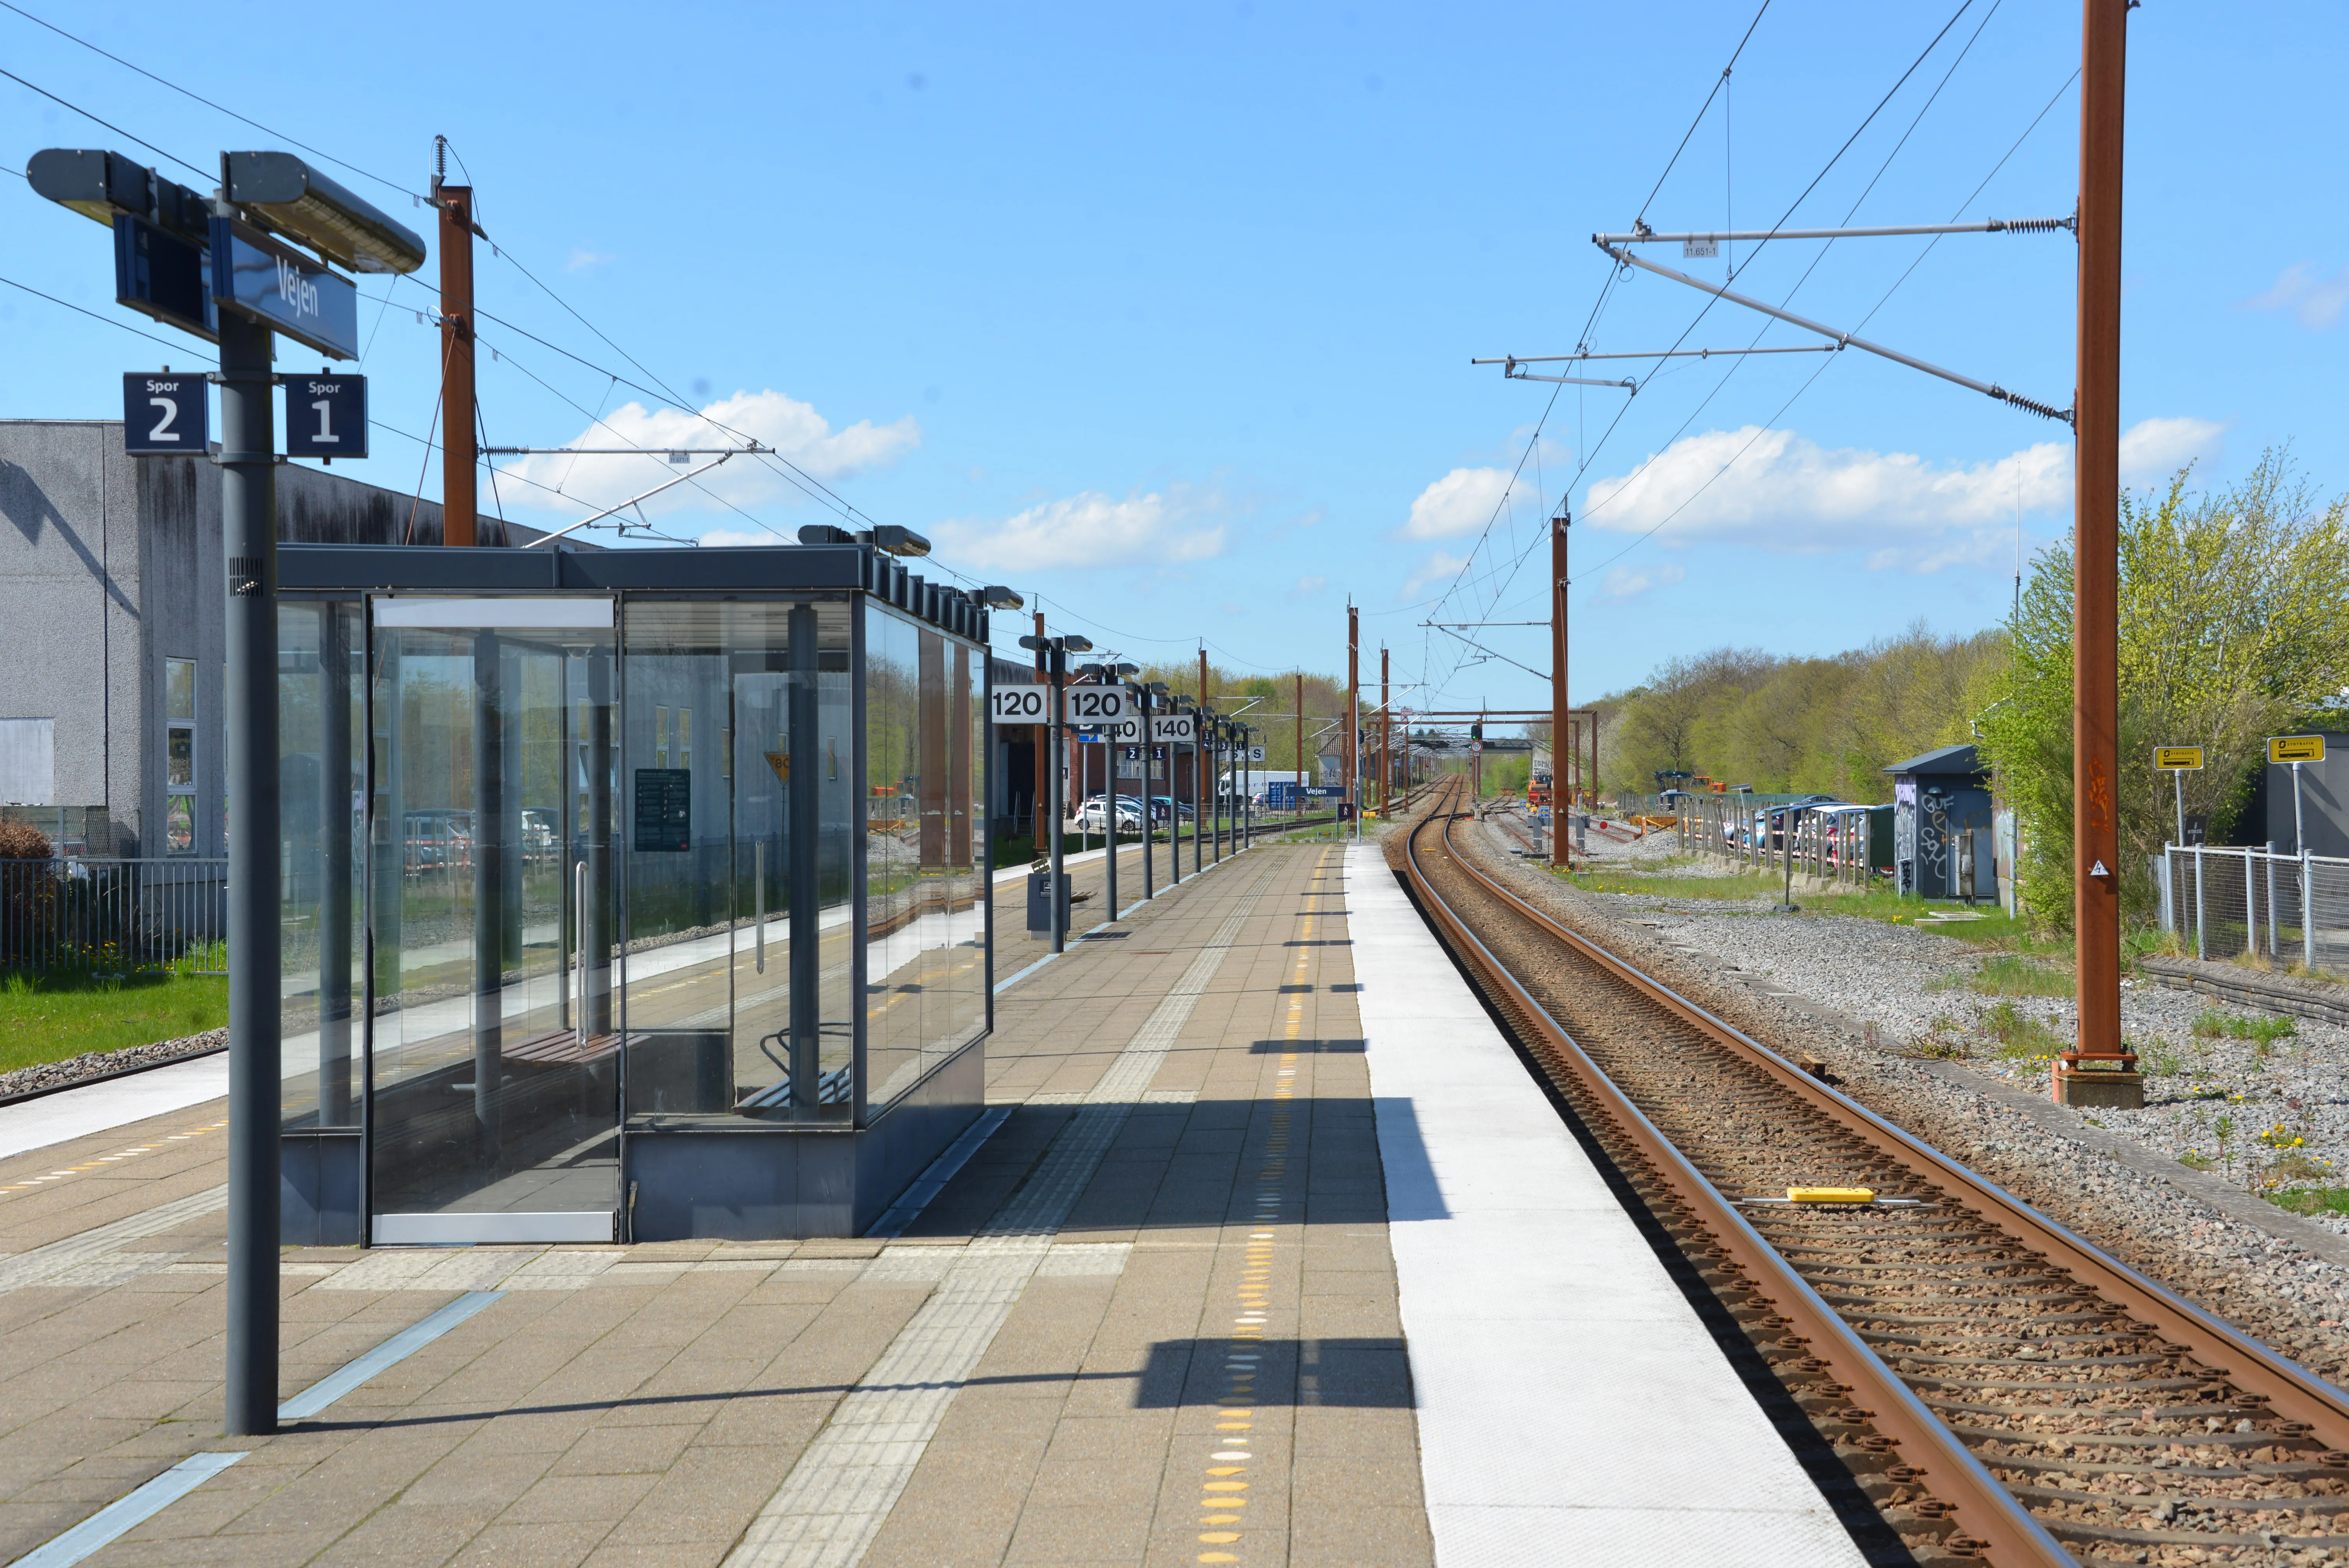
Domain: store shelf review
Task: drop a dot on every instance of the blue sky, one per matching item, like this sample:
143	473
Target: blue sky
1166	314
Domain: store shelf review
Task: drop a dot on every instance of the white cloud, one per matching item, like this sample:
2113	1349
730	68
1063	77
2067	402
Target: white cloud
1092	531
582	260
2318	301
1434	569
1308	586
2153	449
1462	501
731	538
792	427
1631	581
1777	491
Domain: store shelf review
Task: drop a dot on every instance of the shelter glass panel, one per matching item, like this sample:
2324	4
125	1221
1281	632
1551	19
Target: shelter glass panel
494	1066
925	925
321	806
738	773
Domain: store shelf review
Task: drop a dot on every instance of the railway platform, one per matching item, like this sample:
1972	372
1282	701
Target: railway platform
1268	1250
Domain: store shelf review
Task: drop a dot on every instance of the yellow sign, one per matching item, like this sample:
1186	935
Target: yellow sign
2296	749
2177	759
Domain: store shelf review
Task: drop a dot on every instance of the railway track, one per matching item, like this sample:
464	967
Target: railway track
2003	1391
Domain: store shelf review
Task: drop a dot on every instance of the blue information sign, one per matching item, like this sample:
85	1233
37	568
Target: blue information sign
165	275
284	290
325	415
163	415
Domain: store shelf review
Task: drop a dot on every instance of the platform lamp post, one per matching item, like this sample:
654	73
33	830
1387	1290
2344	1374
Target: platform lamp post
1056	652
1210	723
1155	702
1111	674
164	235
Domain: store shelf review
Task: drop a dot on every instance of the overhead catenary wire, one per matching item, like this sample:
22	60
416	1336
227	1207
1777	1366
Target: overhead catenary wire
1589	457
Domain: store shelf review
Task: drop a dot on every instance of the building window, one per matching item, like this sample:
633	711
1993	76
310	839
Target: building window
685	738
180	756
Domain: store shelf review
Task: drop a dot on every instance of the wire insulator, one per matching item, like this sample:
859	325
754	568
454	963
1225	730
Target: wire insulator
2041	409
2038	225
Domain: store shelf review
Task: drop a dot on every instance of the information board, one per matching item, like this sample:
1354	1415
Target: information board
2296	749
2177	759
664	810
1175	727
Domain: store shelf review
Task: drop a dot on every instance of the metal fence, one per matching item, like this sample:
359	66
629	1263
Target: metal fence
114	916
2227	903
1828	842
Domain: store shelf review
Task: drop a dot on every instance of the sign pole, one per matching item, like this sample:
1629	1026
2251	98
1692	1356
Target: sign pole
249	549
1060	752
2100	1070
1109	739
2178	779
2298	842
1149	744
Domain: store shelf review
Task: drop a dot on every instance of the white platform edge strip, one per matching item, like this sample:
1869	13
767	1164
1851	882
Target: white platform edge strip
1571	1406
117	1518
390	1353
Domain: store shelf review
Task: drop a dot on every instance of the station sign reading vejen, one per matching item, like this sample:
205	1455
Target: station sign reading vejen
284	290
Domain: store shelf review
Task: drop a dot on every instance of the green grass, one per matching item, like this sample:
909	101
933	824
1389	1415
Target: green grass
2010	975
2019	1035
50	1018
1743	885
2308	1200
2265	1028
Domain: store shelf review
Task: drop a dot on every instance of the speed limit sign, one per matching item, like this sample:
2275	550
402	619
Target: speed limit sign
1021	704
1094	705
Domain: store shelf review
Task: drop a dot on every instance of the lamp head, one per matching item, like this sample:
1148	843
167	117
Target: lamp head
997	597
899	540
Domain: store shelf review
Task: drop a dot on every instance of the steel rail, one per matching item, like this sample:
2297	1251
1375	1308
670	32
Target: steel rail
1984	1511
2292	1392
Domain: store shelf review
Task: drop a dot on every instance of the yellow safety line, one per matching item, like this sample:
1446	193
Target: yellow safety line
133	1152
1221	1491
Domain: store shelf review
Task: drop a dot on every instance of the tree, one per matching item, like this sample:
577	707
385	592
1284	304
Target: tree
2234	626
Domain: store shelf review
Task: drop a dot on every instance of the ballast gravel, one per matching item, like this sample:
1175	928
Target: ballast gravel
99	1064
1885	1007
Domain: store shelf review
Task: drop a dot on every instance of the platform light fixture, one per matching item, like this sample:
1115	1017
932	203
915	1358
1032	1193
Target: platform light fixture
298	201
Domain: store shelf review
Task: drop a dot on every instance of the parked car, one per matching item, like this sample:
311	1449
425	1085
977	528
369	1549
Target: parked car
438	840
1162	806
1092	817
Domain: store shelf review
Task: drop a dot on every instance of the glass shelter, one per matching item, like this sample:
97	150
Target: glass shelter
627	894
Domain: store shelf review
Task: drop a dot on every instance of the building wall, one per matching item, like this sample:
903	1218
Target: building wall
110	565
2323	801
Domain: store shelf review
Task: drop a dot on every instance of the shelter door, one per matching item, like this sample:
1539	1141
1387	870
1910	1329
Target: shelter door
495	1070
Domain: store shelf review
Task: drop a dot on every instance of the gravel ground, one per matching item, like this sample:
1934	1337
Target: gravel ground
1874	980
97	1064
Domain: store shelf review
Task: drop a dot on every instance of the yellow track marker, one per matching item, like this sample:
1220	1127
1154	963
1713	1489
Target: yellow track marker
1831	1194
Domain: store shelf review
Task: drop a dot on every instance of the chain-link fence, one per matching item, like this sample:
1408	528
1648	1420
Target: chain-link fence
114	916
2225	902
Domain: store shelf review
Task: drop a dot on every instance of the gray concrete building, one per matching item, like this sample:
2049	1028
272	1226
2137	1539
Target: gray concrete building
112	632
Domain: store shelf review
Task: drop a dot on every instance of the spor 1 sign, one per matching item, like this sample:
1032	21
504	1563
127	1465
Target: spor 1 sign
325	415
